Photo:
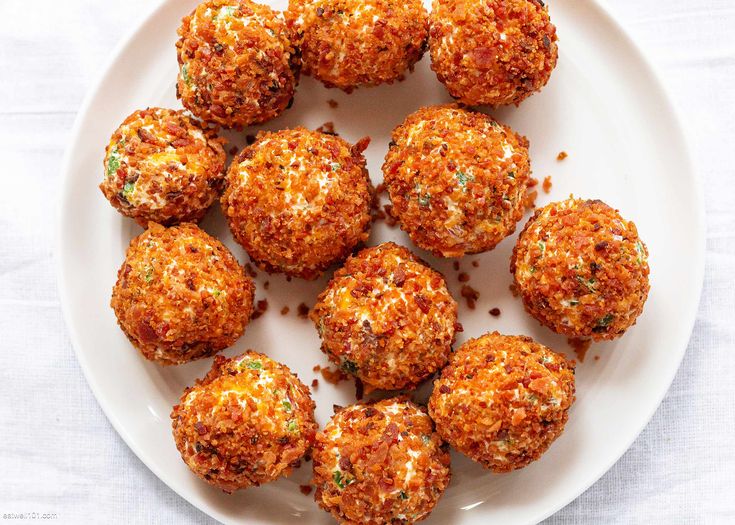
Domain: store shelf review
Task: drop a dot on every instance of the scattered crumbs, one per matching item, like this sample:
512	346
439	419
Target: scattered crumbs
390	220
288	278
471	295
233	150
337	408
475	264
463	277
359	389
266	284
458	327
327	128
597	358
260	308
547	184
532	182
249	139
332	103
285	310
333	376
378	214
455	265
495	312
513	289
580	347
305	489
562	155
380	188
529	200
302	311
251	271
307	457
317	368
315	383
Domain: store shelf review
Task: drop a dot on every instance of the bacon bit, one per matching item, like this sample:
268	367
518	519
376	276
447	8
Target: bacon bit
285	310
302	310
532	182
146	136
444	389
250	270
200	428
390	219
260	308
380	188
540	385
316	368
484	57
332	103
458	327
471	295
305	489
601	246
495	312
315	383
249	139
333	377
455	265
422	303
327	128
547	184
562	155
359	389
518	416
337	408
597	358
580	347
495	427
475	264
233	150
529	200
463	277
513	289
361	145
266	284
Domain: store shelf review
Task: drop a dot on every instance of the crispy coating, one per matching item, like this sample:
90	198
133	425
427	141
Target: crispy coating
237	65
181	295
249	421
299	201
456	179
349	43
494	52
503	400
379	463
387	318
581	269
161	166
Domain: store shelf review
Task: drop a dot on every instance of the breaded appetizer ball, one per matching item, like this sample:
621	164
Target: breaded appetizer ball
181	295
299	201
581	269
503	400
237	65
456	179
161	166
249	421
494	52
379	463
351	43
387	318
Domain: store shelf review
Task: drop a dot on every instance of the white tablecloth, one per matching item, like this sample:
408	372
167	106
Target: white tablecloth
60	455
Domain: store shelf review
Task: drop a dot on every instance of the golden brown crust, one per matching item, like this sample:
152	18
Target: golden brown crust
248	421
377	463
349	43
161	166
494	52
237	63
387	318
456	179
298	201
581	269
503	400
181	295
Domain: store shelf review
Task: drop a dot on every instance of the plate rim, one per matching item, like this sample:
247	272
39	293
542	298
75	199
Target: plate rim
698	254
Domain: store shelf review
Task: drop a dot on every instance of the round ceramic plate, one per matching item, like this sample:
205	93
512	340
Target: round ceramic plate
603	105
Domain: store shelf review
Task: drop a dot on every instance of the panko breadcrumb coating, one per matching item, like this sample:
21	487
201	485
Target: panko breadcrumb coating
503	400
494	52
581	269
299	201
161	166
249	421
456	179
237	65
351	43
379	463
181	295
386	318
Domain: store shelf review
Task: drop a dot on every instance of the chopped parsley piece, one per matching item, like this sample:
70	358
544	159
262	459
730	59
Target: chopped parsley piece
113	163
512	174
605	321
349	366
253	365
128	189
287	405
228	10
336	166
185	74
424	200
148	274
341	481
542	247
426	439
293	426
403	495
641	252
588	283
463	178
216	293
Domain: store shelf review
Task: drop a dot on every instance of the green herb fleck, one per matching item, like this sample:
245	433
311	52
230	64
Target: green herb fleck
349	366
605	321
293	426
426	439
587	283
542	247
216	293
463	178
287	405
512	174
341	481
641	251
148	274
253	365
185	74
403	495
336	166
228	10
113	163
128	189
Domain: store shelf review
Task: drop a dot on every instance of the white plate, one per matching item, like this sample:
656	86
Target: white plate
603	105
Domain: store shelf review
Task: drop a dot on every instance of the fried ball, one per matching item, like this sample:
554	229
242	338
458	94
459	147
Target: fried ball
503	400
380	463
237	65
581	269
249	421
387	318
161	166
456	179
349	43
299	201
494	52
181	295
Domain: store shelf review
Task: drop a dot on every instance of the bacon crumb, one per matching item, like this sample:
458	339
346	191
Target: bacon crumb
390	220
475	264
547	184
303	311
317	368
233	150
285	310
260	308
529	200
562	155
495	312
513	289
305	489
463	277
455	265
250	270
359	389
471	295
266	284
332	103
327	128
249	139
580	347
315	383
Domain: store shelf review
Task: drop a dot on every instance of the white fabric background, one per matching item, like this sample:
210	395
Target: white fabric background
59	454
